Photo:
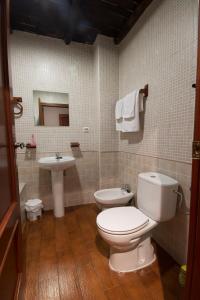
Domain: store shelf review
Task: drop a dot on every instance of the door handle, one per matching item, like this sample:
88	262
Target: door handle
19	145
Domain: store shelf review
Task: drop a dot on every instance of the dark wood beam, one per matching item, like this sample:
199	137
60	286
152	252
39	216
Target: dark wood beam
116	8
99	14
110	31
77	20
132	20
126	5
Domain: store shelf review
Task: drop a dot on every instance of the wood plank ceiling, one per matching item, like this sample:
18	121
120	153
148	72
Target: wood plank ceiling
77	20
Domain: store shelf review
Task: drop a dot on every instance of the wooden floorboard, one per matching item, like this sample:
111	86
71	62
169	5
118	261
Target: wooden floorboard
66	259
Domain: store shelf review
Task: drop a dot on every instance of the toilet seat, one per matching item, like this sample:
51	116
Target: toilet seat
122	220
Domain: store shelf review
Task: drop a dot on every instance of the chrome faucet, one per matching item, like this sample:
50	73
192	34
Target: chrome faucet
58	156
126	187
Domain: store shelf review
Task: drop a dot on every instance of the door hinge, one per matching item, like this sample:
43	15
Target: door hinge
196	150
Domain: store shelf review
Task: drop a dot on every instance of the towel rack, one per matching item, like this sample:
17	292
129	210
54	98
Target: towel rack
17	103
145	90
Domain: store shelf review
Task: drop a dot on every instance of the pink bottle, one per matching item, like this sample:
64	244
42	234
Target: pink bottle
33	142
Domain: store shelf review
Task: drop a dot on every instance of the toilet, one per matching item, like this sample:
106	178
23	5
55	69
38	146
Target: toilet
112	198
128	229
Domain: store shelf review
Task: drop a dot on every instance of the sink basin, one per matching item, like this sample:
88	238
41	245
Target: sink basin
57	166
52	163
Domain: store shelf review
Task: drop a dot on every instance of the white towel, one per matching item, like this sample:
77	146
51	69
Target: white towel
118	109
118	114
129	105
133	124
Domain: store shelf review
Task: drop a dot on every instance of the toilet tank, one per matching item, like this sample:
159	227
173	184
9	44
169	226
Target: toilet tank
156	196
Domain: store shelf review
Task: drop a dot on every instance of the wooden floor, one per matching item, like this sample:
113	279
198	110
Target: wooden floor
67	259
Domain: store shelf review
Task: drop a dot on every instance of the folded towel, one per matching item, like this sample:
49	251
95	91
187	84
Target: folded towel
133	124
129	105
118	109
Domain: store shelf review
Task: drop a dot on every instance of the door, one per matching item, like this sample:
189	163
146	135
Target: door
193	269
10	227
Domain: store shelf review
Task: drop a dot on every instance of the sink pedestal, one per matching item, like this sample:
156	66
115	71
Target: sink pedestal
57	167
58	193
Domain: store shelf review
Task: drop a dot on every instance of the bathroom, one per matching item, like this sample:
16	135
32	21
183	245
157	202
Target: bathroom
63	254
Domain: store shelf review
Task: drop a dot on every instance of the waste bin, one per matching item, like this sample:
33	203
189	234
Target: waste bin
34	209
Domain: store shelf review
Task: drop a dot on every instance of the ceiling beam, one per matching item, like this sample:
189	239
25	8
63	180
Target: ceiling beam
77	20
116	8
132	20
126	5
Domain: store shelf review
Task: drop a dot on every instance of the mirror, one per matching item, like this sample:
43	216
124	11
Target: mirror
51	108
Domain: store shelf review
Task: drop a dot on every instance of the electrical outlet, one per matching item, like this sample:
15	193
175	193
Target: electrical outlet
85	129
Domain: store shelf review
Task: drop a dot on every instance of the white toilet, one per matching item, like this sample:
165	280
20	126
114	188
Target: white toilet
128	229
112	197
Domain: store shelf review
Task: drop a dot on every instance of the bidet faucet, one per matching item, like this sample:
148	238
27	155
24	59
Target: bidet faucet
58	156
126	188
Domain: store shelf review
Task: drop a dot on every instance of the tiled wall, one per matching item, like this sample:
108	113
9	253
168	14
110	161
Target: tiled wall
108	91
89	74
40	63
161	51
109	170
107	78
46	64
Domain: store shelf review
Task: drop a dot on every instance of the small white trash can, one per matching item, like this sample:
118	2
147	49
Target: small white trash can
34	209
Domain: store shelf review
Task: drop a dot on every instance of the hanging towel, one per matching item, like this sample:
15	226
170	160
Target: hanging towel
118	109
118	114
129	105
133	124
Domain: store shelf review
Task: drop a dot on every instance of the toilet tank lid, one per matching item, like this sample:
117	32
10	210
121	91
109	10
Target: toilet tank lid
158	178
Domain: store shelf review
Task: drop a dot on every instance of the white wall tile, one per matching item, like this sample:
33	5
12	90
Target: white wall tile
161	51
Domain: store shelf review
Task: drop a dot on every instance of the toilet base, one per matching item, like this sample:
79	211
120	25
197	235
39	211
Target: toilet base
131	260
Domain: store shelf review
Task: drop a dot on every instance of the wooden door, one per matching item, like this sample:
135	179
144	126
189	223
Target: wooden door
193	269
10	227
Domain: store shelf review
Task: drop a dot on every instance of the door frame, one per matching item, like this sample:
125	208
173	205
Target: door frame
10	226
192	290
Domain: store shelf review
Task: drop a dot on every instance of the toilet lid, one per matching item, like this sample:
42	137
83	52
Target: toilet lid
121	220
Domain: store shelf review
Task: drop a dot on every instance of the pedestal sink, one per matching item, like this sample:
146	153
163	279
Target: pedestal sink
57	165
